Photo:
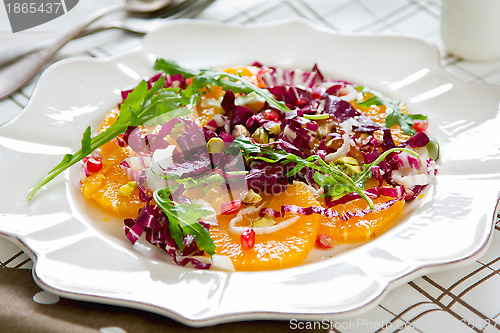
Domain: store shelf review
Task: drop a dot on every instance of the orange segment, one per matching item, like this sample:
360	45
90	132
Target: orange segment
281	249
109	120
103	186
205	110
250	73
360	229
378	113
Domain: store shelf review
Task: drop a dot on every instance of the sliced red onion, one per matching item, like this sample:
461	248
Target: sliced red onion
262	230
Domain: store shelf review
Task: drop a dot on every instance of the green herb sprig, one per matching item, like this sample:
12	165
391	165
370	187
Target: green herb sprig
227	81
394	114
396	117
184	219
327	175
140	106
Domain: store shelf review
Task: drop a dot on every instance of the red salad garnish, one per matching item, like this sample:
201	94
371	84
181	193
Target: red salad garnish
421	126
93	164
248	239
324	241
230	207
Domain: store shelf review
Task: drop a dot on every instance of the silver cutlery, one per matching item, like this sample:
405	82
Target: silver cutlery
17	74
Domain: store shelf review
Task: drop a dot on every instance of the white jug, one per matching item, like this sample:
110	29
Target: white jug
470	29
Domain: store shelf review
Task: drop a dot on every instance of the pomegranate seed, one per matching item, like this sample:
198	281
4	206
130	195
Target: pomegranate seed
230	207
248	239
421	126
271	115
301	103
324	241
94	165
316	95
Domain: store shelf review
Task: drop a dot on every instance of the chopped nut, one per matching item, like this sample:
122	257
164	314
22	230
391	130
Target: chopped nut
215	145
125	190
348	160
250	197
263	222
260	135
348	165
240	130
274	128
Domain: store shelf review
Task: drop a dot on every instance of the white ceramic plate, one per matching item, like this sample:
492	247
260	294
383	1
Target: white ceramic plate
81	256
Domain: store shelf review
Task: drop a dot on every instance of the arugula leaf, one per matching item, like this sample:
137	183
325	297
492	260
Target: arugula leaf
394	114
329	174
227	81
404	120
331	186
140	106
172	68
86	141
183	219
204	180
248	147
360	179
374	100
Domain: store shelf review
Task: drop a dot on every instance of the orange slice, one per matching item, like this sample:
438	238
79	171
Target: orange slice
360	229
109	120
103	186
281	249
378	113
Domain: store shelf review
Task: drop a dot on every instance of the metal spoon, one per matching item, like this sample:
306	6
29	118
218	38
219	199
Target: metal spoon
19	74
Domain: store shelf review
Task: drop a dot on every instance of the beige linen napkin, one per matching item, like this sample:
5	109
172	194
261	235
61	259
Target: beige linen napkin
24	307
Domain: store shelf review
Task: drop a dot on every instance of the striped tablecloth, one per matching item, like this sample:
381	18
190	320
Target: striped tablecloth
465	299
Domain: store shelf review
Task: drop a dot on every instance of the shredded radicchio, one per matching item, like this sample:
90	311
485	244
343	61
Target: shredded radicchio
315	125
327	212
152	222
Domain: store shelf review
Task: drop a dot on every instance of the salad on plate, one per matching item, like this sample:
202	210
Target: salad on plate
251	168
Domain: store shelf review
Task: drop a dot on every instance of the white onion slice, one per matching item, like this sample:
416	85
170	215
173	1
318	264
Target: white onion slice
346	145
260	230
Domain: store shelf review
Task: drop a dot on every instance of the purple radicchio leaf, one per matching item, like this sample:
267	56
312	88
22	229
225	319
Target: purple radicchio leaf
343	110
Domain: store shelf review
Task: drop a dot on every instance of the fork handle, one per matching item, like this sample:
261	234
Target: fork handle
18	74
